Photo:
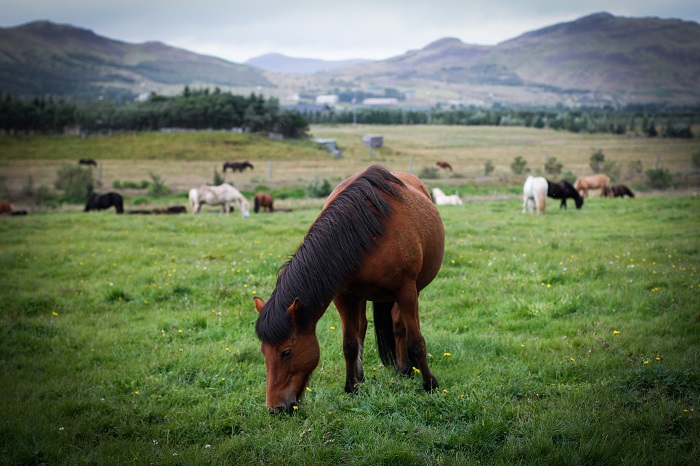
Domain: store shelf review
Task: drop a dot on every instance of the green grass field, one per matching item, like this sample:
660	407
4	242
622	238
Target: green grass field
568	338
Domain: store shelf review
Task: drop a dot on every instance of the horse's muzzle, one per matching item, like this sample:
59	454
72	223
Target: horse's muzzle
284	408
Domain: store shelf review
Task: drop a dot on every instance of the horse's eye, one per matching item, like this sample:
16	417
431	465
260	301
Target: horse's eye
286	353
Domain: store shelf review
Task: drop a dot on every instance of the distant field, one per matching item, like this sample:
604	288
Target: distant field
568	338
189	159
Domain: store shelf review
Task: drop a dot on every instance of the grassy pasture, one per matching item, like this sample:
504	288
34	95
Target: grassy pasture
189	159
569	338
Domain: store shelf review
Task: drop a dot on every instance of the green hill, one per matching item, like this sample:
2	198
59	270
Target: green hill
42	58
599	58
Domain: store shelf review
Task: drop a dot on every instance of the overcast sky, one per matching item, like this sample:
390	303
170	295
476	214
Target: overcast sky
327	29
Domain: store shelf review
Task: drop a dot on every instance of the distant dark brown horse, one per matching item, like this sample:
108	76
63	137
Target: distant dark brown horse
564	190
237	166
584	183
265	201
379	238
105	201
90	162
620	190
444	165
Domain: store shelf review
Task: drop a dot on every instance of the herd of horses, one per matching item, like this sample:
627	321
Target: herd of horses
537	189
225	195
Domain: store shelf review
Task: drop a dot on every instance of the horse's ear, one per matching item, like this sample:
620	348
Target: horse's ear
259	303
293	311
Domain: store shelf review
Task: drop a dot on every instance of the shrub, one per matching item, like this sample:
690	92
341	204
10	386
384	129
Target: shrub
519	166
695	159
318	188
429	173
597	161
488	168
552	167
218	180
75	181
659	178
157	187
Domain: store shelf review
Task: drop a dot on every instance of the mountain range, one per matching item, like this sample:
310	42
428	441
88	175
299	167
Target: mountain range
595	60
278	63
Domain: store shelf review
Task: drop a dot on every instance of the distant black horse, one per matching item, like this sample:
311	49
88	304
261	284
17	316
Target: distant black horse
620	190
564	190
87	162
237	166
105	201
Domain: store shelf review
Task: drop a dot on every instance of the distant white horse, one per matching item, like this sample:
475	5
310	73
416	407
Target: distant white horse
535	194
224	194
442	199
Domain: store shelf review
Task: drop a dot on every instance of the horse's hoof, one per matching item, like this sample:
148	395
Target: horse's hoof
431	384
351	388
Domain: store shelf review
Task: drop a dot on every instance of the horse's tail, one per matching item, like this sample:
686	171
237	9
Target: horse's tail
384	331
577	183
256	207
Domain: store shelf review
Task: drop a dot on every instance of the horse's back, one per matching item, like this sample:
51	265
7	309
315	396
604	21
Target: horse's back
412	246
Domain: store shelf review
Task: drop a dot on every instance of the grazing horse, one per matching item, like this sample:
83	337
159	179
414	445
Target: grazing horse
378	238
90	162
440	198
620	190
535	194
5	207
105	201
223	194
564	190
584	183
263	200
237	166
444	165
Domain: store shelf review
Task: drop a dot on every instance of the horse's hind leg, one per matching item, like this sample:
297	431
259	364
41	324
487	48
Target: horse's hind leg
414	343
352	312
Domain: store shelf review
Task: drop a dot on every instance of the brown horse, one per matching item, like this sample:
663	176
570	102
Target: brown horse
619	190
265	201
237	166
599	180
444	165
379	238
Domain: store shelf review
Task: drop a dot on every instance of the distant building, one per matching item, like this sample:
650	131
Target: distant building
330	146
380	101
373	141
327	99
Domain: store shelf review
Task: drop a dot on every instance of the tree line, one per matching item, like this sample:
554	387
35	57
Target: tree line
192	109
205	109
676	123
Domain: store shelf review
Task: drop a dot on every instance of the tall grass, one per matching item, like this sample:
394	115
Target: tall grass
568	338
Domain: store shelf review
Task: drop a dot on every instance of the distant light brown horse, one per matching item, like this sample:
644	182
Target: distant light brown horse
444	165
379	238
599	180
265	201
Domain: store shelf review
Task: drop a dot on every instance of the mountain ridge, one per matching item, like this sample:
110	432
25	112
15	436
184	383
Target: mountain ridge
599	59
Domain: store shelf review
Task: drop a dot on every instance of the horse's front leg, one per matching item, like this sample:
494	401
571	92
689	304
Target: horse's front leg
354	319
407	305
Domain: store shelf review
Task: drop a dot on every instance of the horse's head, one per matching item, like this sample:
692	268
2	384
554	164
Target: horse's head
579	201
289	361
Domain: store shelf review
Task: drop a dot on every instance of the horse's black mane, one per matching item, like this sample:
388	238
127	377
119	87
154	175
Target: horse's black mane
332	249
